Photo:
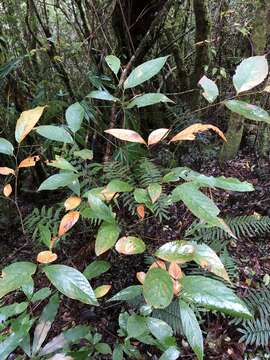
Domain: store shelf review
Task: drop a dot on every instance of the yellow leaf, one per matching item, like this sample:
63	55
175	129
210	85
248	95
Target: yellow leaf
157	135
190	132
108	195
141	276
67	222
72	202
158	264
127	135
6	171
7	190
267	89
175	271
102	290
30	161
27	121
46	257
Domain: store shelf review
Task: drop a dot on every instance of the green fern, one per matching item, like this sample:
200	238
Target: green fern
147	172
171	315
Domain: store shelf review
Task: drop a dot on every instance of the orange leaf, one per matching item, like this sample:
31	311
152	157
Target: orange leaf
157	135
46	257
175	271
127	135
176	287
30	161
72	202
67	222
7	190
140	211
158	264
190	132
6	171
141	276
102	290
27	121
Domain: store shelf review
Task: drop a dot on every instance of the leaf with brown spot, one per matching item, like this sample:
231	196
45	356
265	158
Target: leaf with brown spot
72	202
130	245
30	161
140	211
27	121
141	276
158	264
157	135
127	135
190	132
7	190
175	270
6	171
67	222
46	257
102	290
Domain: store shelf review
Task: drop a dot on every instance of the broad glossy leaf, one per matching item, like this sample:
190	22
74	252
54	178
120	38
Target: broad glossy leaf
147	100
118	185
154	191
102	95
85	154
72	202
28	162
67	222
55	133
178	251
213	295
159	328
59	180
11	310
7	191
198	203
144	72
41	294
74	116
61	163
100	209
96	268
102	290
71	283
249	111
136	326
6	147
141	196
210	89
208	259
106	237
27	121
126	135
250	73
128	293
130	245
190	132
114	63
15	276
46	257
191	329
157	135
172	353
6	171
158	288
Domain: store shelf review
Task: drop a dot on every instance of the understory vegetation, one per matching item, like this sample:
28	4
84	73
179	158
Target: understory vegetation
134	178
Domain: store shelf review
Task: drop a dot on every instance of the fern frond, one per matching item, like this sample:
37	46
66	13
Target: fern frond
171	315
148	172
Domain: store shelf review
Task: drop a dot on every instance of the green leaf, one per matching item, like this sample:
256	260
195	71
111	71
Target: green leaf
172	353
103	348
144	72
147	100
159	328
128	293
55	133
117	353
141	196
62	164
130	245
45	322
191	329
58	180
179	251
102	95
210	89
198	203
106	237
136	326
71	283
251	112
213	295
208	259
45	234
114	63
96	268
15	276
117	185
154	191
250	73
158	288
85	154
74	116
41	294
12	310
100	209
6	147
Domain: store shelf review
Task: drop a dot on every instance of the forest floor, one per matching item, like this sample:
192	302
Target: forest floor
252	256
